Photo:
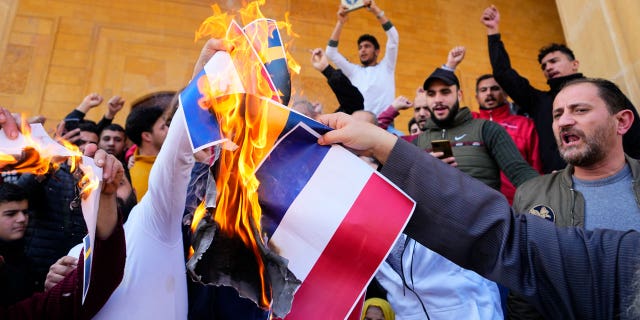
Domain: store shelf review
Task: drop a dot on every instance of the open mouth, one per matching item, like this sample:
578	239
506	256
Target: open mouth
569	138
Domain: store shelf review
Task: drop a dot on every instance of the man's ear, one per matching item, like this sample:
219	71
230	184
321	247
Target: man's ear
625	120
146	136
575	65
460	95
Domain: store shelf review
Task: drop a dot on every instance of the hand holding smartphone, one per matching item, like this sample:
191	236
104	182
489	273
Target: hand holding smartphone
71	124
442	146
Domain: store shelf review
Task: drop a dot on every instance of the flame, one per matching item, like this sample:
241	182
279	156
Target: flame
38	158
198	214
293	65
251	11
238	210
76	158
88	182
243	121
215	25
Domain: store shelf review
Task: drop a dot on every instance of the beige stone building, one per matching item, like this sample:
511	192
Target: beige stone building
53	53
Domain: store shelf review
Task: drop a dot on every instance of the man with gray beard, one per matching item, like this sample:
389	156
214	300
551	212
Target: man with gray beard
600	187
566	272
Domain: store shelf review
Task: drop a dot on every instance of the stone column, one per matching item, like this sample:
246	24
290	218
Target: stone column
604	37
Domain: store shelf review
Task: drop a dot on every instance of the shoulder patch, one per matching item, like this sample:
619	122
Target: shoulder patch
544	212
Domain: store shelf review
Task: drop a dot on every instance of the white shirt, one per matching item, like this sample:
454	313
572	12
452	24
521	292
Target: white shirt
377	83
154	285
446	290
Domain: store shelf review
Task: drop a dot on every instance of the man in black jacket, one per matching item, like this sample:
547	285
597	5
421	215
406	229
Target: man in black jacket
559	66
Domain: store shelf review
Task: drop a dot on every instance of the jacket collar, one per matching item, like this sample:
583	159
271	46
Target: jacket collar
464	115
497	112
634	164
556	83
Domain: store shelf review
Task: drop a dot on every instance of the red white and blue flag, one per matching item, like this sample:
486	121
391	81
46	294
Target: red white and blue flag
332	216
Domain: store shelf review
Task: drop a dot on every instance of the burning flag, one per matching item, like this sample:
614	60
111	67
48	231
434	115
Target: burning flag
265	234
334	218
33	152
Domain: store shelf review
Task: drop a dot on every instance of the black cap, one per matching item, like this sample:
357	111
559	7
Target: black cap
446	76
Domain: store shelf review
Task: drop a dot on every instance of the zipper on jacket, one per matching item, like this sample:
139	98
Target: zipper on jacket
573	204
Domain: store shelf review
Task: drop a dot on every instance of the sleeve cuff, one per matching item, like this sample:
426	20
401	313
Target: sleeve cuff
333	43
387	25
446	67
75	114
328	71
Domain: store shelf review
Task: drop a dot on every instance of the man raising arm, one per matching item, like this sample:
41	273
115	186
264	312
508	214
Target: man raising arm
375	80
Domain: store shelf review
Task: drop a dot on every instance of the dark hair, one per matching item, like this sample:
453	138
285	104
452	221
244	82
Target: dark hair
482	78
159	98
553	48
10	192
607	91
88	125
141	119
114	127
370	38
412	121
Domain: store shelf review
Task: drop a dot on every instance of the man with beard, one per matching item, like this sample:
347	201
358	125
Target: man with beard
421	113
569	273
437	288
480	148
375	80
559	65
600	186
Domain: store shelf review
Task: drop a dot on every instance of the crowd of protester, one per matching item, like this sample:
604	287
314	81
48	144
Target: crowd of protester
566	155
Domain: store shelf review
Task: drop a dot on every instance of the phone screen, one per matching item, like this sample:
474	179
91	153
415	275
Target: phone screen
70	124
442	146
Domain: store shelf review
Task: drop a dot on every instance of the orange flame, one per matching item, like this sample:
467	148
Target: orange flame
243	121
215	25
38	159
89	182
198	214
238	210
293	65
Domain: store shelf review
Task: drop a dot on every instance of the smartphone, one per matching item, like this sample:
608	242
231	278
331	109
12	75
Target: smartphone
442	146
353	4
70	124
